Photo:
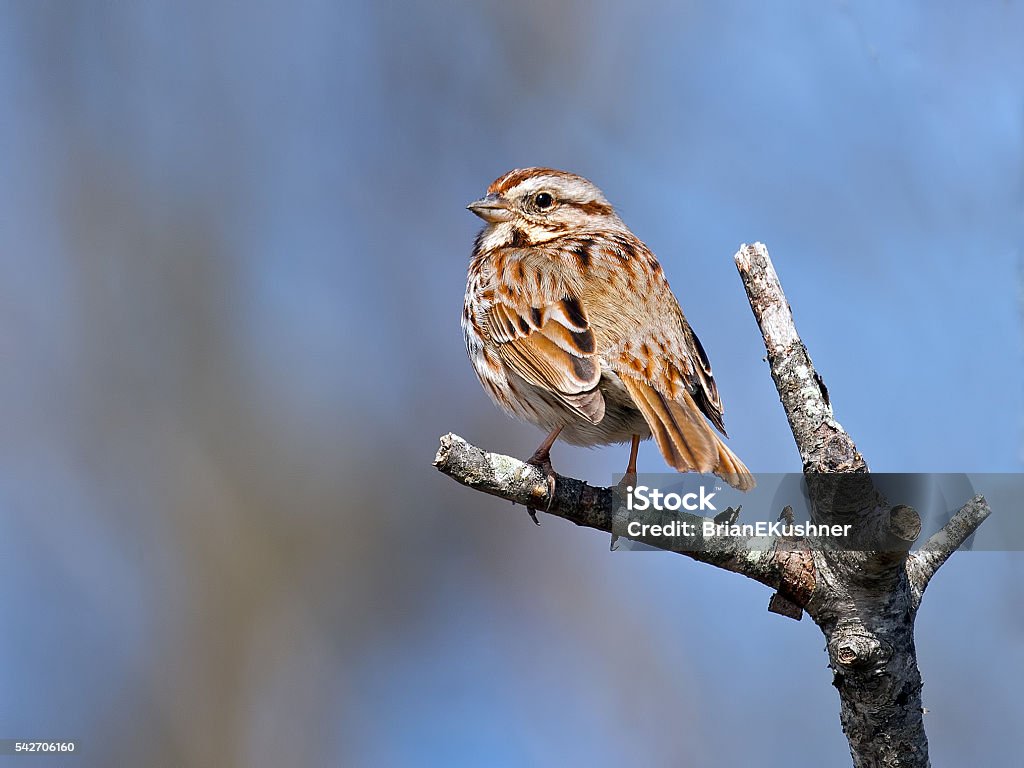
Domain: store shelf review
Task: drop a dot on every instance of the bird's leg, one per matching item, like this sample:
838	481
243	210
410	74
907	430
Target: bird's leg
542	460
628	479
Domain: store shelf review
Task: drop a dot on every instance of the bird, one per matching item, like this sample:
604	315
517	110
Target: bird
571	325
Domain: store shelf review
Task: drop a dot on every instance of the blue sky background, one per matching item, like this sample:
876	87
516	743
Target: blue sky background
232	258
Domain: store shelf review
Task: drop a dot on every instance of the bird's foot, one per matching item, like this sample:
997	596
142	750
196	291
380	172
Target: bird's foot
542	460
625	485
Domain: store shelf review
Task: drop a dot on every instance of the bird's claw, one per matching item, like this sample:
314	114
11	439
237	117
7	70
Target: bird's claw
628	481
542	461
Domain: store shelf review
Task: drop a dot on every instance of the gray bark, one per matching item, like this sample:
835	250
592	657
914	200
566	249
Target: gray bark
864	600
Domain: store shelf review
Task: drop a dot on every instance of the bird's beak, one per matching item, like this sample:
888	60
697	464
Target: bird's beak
492	209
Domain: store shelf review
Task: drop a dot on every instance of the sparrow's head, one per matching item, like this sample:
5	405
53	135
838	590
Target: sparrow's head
535	205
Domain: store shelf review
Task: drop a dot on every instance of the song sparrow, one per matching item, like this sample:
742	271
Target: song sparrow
571	325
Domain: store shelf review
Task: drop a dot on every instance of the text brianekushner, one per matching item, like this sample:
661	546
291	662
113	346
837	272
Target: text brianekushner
709	528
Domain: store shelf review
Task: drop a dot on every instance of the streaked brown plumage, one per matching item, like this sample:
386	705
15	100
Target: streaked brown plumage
571	325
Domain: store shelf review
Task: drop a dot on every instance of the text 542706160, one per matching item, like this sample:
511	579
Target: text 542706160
19	747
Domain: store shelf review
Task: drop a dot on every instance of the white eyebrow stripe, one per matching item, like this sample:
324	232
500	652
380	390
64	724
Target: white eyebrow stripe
564	188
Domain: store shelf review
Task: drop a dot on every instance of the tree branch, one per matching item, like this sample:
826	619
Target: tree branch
864	600
923	564
779	563
521	483
823	444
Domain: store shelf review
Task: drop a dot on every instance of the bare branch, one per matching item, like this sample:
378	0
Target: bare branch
521	483
864	600
823	444
923	564
779	563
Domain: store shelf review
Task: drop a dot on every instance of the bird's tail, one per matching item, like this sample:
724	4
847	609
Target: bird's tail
684	438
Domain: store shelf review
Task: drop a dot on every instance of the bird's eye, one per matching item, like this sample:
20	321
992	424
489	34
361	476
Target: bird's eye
543	200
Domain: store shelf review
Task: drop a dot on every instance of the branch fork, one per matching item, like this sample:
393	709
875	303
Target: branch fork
864	600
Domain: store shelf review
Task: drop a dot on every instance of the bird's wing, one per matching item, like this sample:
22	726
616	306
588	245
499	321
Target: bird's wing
667	374
696	372
552	347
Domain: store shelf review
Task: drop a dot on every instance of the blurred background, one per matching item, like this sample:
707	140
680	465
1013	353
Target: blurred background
232	257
